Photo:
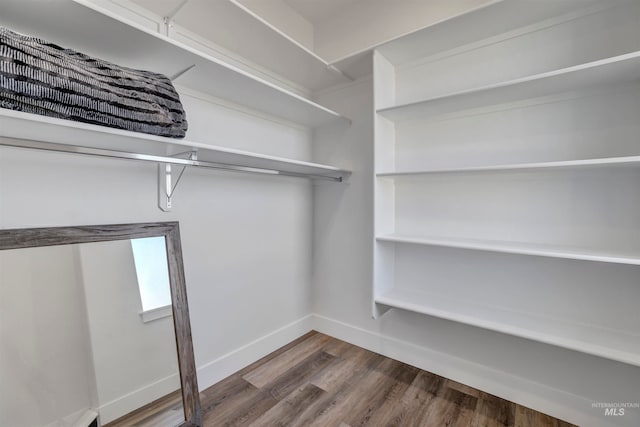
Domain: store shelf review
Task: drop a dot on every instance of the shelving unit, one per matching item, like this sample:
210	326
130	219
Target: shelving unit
101	33
504	194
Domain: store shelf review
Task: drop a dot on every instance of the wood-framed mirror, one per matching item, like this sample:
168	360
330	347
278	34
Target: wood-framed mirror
38	321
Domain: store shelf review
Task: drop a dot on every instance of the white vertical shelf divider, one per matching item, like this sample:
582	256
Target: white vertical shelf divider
384	255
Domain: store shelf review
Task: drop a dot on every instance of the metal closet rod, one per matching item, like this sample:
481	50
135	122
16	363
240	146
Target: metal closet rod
114	154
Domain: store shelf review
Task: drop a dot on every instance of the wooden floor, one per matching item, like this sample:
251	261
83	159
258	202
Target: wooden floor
321	381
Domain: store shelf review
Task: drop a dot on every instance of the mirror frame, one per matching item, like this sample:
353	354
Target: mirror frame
53	236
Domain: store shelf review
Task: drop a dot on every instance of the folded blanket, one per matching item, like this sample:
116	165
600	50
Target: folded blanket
43	78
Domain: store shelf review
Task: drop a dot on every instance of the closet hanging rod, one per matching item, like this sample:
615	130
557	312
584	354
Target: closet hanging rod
114	154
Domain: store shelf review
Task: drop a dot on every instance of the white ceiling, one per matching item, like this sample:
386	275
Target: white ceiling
316	11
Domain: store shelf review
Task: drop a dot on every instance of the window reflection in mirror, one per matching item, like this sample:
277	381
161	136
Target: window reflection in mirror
150	258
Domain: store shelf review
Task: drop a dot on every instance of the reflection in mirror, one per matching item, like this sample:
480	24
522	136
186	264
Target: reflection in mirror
152	274
87	336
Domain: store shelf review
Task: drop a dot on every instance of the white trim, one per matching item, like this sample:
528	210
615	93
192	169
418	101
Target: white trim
156	313
227	364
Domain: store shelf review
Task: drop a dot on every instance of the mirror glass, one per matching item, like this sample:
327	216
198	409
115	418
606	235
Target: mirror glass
87	329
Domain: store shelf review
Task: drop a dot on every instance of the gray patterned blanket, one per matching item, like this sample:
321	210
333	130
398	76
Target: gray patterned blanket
42	78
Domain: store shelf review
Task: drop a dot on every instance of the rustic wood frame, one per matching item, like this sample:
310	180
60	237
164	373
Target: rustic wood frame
52	236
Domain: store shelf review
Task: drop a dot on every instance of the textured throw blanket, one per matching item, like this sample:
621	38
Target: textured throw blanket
43	78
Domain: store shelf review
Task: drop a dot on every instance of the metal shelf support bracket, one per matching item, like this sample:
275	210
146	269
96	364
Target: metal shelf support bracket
166	183
168	20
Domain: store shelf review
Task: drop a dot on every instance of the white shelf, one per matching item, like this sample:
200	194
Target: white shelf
616	70
536	249
630	161
475	26
24	126
614	344
103	34
289	57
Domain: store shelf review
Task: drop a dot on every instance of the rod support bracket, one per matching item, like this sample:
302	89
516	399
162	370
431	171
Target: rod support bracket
166	184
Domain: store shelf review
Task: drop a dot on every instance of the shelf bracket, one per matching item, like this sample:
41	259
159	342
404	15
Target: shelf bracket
181	72
166	183
168	19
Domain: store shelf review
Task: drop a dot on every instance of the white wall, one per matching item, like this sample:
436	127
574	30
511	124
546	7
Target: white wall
560	382
45	358
135	363
245	238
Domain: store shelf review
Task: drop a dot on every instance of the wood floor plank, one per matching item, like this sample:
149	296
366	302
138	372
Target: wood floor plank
282	350
224	399
354	402
526	417
413	406
336	347
288	410
494	412
344	364
244	412
168	418
463	388
332	409
386	398
280	364
298	375
452	408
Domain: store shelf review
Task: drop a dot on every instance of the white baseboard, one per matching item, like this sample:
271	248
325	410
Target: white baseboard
81	418
85	418
123	405
220	368
557	403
